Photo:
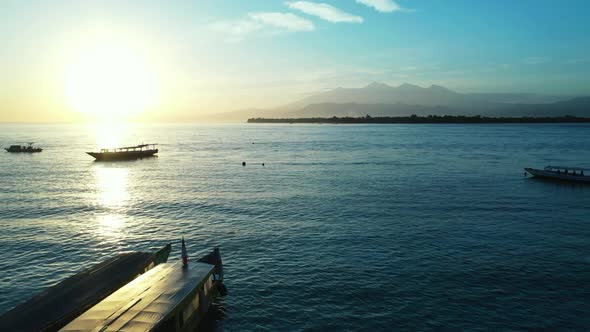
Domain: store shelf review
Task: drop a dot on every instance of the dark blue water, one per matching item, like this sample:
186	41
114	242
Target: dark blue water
364	227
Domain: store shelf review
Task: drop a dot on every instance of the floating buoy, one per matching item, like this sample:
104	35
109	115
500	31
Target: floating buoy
243	163
262	164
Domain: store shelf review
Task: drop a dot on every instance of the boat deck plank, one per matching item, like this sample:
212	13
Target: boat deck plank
74	295
146	301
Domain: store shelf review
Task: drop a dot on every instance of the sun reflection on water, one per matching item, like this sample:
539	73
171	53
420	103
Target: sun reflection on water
110	226
112	196
111	184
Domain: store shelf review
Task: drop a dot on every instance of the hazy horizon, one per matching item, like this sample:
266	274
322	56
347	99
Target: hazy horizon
174	61
314	165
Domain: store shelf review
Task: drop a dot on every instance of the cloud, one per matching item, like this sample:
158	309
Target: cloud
384	6
286	21
236	29
269	22
536	60
324	11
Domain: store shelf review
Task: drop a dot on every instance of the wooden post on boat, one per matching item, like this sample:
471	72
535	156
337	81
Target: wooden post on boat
184	255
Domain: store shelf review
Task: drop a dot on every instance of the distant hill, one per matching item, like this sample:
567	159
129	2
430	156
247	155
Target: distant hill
579	106
382	100
434	95
431	119
375	110
379	93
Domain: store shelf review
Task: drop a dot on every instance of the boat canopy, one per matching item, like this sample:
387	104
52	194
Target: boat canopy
127	148
547	168
147	301
139	146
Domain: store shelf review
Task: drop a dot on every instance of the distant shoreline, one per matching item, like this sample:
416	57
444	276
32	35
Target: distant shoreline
431	119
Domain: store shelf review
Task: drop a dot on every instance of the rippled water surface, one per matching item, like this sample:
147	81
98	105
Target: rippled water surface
361	227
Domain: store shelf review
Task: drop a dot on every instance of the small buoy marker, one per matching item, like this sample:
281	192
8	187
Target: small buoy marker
243	163
262	164
184	254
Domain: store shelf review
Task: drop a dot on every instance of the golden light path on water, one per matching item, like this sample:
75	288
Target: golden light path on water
111	182
113	196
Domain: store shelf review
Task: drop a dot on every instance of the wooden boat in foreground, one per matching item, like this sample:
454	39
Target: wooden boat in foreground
170	297
60	304
562	173
29	148
126	153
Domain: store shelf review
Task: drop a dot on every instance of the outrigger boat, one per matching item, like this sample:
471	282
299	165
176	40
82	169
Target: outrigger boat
29	148
562	173
126	153
60	304
170	297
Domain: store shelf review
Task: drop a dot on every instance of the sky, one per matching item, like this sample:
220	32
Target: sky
176	60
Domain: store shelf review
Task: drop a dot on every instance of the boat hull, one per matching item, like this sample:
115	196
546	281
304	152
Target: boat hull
58	305
35	150
217	289
127	155
557	176
170	297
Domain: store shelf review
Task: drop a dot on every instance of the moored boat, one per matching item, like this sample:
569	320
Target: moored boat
60	304
170	297
126	153
562	173
29	148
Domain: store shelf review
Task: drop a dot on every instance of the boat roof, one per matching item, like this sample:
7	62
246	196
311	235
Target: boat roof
569	168
146	301
136	146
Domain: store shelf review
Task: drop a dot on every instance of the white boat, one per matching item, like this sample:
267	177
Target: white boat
577	174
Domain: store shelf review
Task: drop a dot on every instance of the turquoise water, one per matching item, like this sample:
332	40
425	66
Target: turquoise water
360	227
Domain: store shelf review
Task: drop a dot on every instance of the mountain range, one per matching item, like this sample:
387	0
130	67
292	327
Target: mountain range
379	99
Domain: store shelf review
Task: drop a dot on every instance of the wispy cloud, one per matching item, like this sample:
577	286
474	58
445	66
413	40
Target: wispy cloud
324	11
536	60
269	22
287	21
384	6
236	29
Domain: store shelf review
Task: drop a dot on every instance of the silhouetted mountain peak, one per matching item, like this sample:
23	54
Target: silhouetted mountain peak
380	99
377	85
438	87
408	86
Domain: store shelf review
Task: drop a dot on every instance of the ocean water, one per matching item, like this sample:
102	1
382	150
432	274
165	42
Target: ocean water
345	227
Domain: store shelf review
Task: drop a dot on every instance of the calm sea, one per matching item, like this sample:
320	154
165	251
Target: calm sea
345	227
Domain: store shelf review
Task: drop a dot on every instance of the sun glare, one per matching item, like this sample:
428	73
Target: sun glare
110	81
112	135
112	186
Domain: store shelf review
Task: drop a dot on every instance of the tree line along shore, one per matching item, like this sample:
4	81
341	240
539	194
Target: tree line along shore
424	119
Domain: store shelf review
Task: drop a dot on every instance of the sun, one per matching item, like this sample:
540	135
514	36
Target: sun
109	80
